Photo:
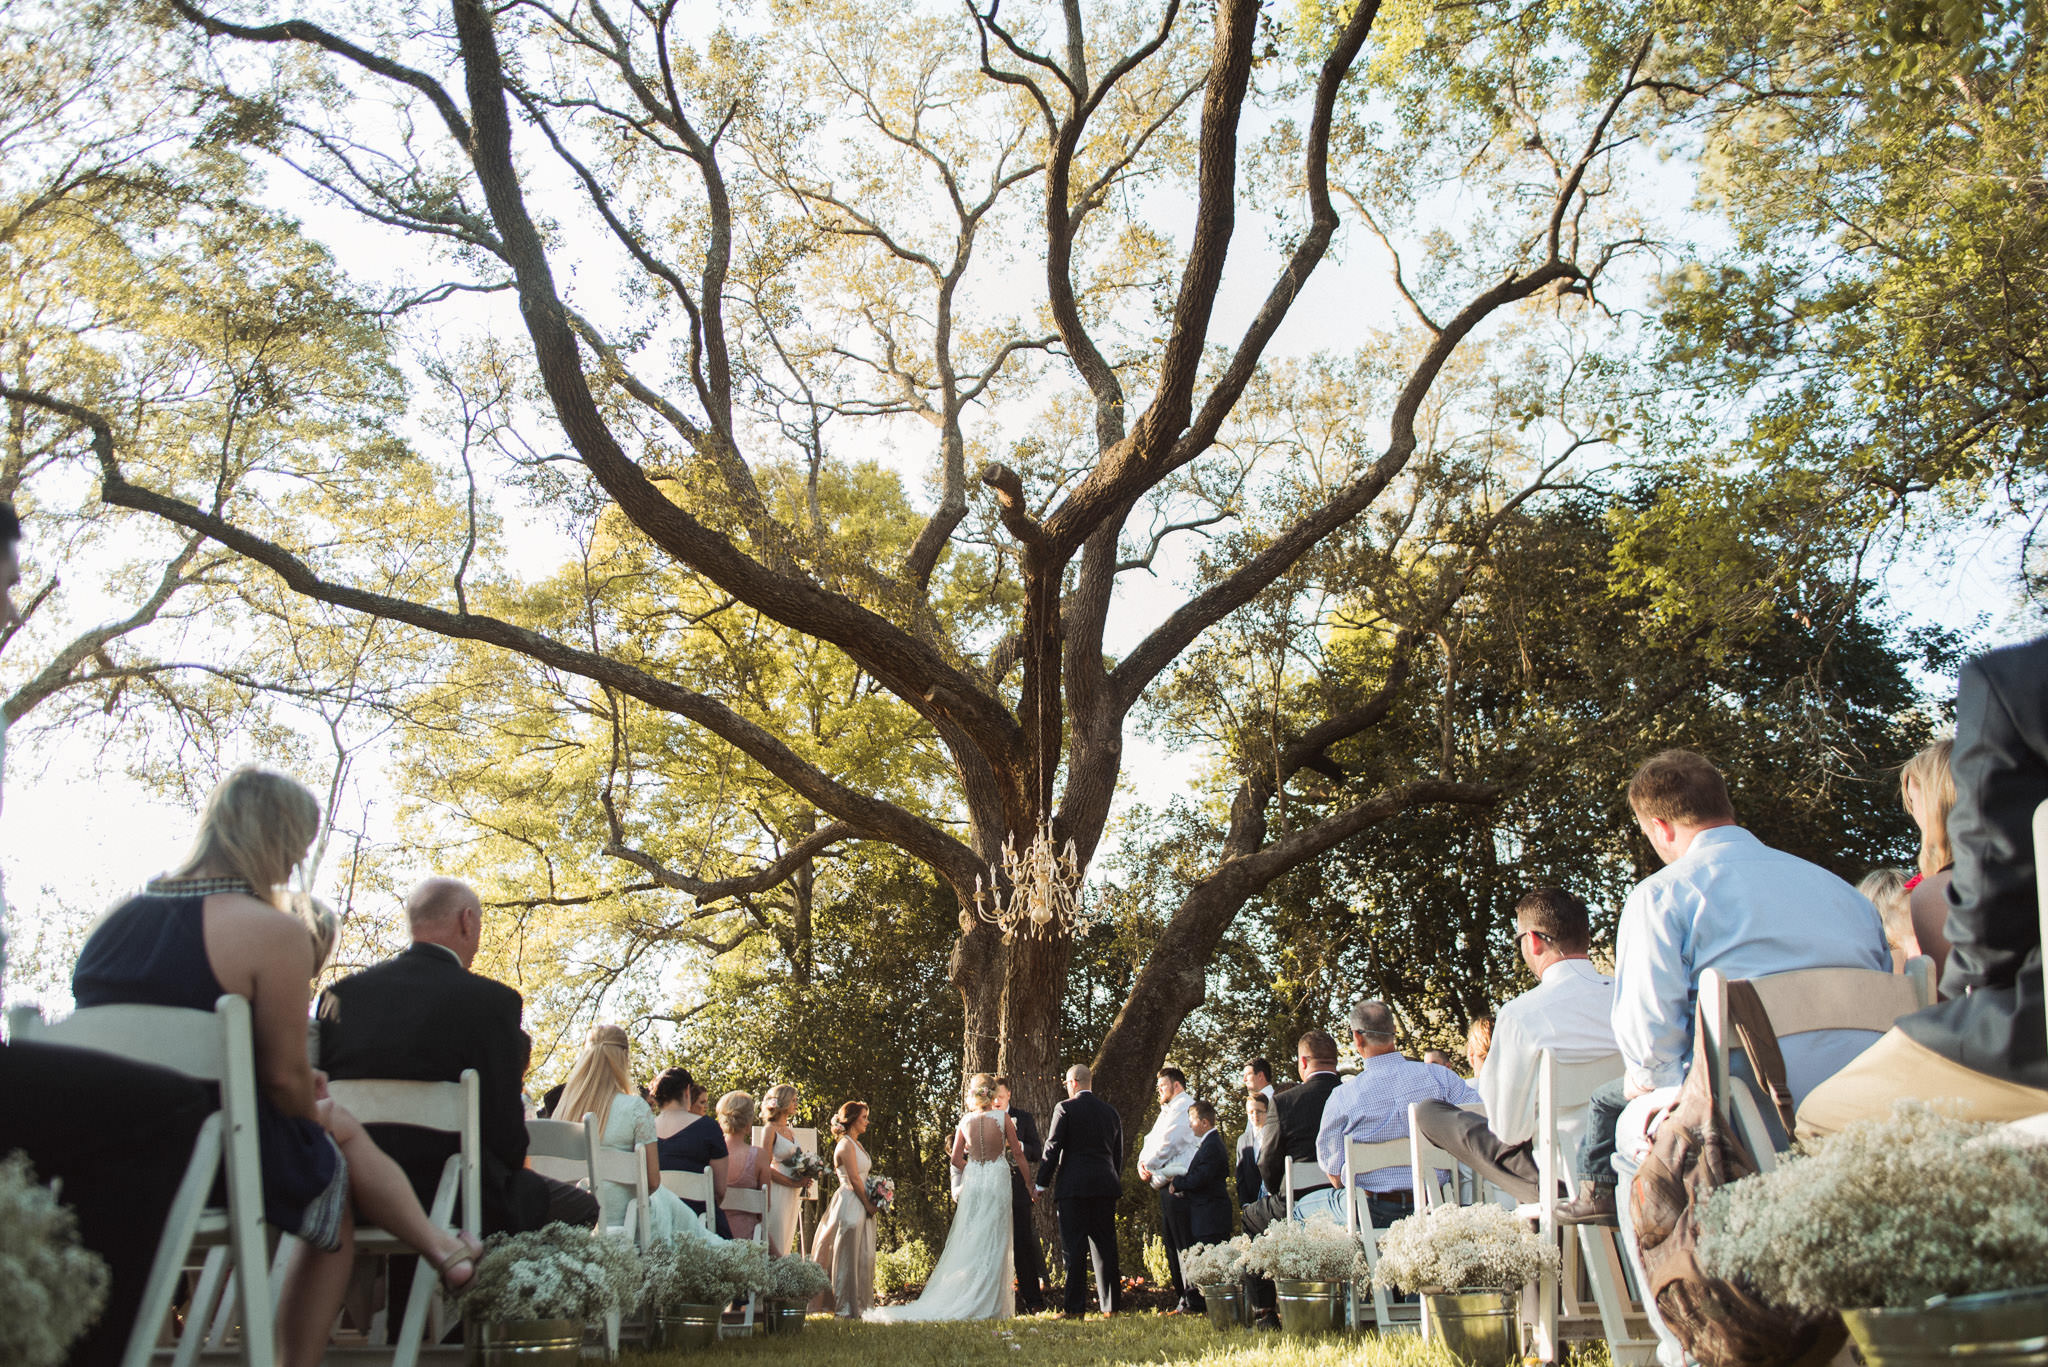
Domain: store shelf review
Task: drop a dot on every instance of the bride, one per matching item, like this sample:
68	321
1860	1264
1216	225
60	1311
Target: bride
973	1279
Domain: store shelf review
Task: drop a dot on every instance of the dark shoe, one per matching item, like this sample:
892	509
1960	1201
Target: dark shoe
1594	1205
1070	1314
1266	1321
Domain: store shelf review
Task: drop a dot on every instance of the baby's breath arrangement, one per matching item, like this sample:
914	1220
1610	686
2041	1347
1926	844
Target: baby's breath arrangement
1213	1264
1884	1215
1461	1248
558	1272
1319	1251
691	1271
794	1278
51	1290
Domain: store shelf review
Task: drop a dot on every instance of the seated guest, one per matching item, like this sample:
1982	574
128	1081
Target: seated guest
1436	1056
1568	1012
600	1084
1372	1106
1478	1040
1888	891
1258	1081
1982	1051
744	1161
1927	786
1202	1185
1260	1131
691	1141
1298	1115
1723	900
424	1017
217	926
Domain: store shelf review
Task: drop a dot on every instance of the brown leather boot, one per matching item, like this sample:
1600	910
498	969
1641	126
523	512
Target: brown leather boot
1594	1205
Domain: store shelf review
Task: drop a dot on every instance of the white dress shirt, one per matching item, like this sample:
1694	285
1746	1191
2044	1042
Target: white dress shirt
1372	1105
1245	1142
1570	1011
1171	1142
1732	902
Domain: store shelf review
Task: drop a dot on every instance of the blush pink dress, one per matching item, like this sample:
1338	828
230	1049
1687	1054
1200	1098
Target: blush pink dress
742	1169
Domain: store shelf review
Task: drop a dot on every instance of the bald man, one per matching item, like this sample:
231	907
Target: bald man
425	1017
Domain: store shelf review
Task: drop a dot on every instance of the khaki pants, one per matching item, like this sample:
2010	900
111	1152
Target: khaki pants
1897	1068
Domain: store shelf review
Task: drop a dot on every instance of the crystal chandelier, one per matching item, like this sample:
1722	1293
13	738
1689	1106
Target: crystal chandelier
1044	883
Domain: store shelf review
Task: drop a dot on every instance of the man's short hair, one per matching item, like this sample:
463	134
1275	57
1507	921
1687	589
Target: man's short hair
1204	1110
1002	1082
1262	1066
1082	1074
437	902
1373	1019
1317	1046
1681	787
1261	1102
1174	1075
1558	917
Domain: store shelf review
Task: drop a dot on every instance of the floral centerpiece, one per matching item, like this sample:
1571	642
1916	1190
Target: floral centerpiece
1214	1264
533	1294
793	1279
51	1290
1461	1248
681	1270
882	1191
1319	1251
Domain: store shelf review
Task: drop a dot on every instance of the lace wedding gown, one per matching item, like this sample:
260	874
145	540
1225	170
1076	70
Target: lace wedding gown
972	1280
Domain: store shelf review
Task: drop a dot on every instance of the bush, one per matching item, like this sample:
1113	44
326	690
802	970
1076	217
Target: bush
558	1272
1155	1262
1462	1248
903	1269
51	1290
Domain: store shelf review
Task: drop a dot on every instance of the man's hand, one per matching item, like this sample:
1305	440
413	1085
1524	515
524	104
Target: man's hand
319	1085
1336	1178
1144	1173
1631	1091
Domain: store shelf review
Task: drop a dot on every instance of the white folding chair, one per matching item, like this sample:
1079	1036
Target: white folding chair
560	1149
450	1107
693	1186
1797	1002
748	1201
1457	1187
627	1169
1361	1158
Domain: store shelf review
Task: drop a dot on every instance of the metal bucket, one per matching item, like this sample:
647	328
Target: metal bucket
1310	1307
1226	1303
686	1328
1996	1329
523	1343
782	1317
1480	1328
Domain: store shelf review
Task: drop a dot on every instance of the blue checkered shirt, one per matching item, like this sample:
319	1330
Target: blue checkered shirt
1372	1106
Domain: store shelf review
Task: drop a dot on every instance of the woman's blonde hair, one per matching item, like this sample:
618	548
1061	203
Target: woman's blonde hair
981	1091
257	827
778	1102
1886	888
736	1114
1478	1041
1929	772
603	1072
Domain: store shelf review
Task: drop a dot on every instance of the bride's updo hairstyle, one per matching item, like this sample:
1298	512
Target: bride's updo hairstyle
981	1091
778	1103
849	1116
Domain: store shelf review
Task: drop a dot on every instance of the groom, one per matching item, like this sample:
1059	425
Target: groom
1084	1146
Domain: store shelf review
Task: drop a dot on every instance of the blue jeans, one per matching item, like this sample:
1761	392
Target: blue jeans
1330	1202
1596	1149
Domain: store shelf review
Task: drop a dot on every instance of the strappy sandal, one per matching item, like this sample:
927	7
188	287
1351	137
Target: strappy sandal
465	1256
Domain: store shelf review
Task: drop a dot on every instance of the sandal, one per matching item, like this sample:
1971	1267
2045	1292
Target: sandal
464	1256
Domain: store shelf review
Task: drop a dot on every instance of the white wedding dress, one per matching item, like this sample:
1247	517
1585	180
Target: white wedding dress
973	1279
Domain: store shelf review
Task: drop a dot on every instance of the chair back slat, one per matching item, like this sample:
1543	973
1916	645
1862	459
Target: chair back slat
691	1186
745	1200
174	1037
1573	1084
392	1101
556	1139
1835	999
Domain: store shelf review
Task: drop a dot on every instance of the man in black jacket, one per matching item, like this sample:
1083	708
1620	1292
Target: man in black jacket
1300	1112
1084	1149
425	1017
1028	1262
1983	1052
1202	1190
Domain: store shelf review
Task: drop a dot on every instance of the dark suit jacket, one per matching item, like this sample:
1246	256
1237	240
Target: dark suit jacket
1994	921
424	1017
1249	1183
1300	1113
1027	1133
1203	1187
1084	1148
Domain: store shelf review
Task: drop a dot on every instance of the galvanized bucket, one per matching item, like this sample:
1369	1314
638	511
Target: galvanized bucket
1226	1303
523	1343
1996	1329
686	1328
1480	1328
1310	1307
783	1317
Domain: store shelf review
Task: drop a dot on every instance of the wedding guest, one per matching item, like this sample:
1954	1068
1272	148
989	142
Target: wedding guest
1164	1155
1436	1056
1889	890
744	1159
1298	1115
1258	1081
1201	1188
1259	1130
845	1246
689	1140
1927	787
1026	1259
1478	1042
778	1141
224	923
600	1084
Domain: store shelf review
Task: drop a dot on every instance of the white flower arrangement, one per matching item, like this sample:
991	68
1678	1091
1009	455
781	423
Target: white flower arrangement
1214	1264
1461	1248
558	1272
1319	1251
51	1290
793	1278
1884	1215
689	1271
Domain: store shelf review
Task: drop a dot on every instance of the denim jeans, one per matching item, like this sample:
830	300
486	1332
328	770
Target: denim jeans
1596	1149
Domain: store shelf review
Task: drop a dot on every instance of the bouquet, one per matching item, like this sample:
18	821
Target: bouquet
1319	1251
804	1167
1214	1264
882	1192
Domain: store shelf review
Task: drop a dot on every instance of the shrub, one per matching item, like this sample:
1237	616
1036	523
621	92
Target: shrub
1319	1251
1462	1248
51	1290
901	1269
698	1271
1886	1214
558	1272
1156	1267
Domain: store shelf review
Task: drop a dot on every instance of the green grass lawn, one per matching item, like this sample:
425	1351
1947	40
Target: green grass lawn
1180	1341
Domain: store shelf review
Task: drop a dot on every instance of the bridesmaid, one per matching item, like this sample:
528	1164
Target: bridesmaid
846	1237
778	1144
744	1160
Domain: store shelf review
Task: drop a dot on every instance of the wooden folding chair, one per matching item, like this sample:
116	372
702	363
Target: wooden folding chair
1361	1158
210	1046
450	1107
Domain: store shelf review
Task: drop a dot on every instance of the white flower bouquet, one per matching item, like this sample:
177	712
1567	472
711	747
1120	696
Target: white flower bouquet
1462	1248
558	1272
1213	1264
1885	1215
804	1167
51	1290
794	1279
697	1271
1319	1251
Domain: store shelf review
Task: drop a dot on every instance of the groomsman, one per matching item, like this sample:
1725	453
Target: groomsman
1200	1193
1168	1146
1030	1263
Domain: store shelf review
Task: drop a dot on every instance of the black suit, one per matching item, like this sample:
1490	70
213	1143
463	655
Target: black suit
1992	1023
1202	1188
1083	1166
1299	1111
1028	1262
424	1017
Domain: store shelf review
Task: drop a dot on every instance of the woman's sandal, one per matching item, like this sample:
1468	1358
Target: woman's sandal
465	1256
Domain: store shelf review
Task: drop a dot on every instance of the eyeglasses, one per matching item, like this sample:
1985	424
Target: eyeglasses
1537	933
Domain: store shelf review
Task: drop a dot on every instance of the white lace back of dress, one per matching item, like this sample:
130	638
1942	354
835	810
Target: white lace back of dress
984	1133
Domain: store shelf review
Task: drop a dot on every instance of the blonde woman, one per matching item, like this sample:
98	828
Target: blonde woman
972	1279
1927	787
743	1158
1887	891
225	923
846	1236
778	1146
601	1084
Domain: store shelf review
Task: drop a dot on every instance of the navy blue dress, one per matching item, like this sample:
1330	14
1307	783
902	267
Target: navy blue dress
691	1149
151	951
